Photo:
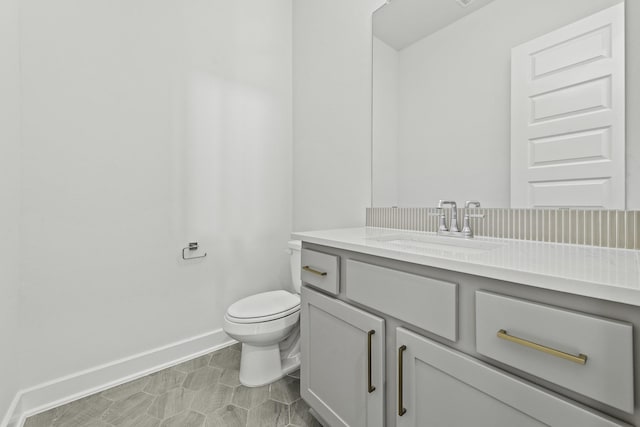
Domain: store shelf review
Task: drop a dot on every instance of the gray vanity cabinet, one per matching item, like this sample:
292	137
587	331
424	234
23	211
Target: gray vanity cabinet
343	364
440	387
460	350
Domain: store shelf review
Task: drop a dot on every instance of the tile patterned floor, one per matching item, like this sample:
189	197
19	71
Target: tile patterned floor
203	392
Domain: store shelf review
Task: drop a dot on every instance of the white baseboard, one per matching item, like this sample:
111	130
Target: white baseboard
66	389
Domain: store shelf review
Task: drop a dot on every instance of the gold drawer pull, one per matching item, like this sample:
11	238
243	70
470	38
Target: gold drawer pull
311	270
580	359
401	409
370	387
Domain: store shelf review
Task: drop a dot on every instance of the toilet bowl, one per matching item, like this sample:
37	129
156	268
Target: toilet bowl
268	326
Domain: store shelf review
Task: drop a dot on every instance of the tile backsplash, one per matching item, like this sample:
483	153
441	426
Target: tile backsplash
608	228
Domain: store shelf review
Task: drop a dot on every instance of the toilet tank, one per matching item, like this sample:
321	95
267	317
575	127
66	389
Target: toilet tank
295	248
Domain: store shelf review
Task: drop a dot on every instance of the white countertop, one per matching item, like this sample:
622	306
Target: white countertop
603	273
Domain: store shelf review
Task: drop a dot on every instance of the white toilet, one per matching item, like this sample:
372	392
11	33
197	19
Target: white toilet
267	325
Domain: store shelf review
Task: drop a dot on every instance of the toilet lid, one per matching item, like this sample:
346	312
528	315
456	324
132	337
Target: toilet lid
264	305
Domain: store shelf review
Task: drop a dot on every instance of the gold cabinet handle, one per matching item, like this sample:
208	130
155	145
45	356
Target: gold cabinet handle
370	388
401	409
311	270
580	359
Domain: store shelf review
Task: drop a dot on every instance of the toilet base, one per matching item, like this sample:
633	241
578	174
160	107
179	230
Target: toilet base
262	365
259	365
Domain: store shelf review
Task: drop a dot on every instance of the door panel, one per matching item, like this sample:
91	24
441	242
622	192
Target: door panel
434	391
335	361
445	388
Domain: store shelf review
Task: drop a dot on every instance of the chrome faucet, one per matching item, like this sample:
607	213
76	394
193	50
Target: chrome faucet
453	230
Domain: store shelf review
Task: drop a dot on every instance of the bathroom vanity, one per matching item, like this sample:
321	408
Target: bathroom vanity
417	329
412	329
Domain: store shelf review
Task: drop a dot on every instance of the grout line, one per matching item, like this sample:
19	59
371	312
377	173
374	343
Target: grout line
635	231
626	233
520	225
592	227
601	218
605	229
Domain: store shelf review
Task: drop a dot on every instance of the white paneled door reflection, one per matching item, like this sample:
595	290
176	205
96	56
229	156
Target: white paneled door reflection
568	116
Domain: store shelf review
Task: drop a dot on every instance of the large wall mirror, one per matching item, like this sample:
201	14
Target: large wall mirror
515	103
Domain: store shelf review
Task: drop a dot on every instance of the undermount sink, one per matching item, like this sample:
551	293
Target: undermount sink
452	244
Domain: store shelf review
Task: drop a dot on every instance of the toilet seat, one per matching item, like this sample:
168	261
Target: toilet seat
264	307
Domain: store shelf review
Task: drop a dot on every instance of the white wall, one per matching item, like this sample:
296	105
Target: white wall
9	201
386	82
332	112
455	102
148	124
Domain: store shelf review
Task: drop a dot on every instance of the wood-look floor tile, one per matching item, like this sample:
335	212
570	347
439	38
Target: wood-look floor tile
184	419
250	397
163	381
97	422
80	412
125	412
285	390
140	420
44	419
229	416
212	398
171	403
193	364
201	378
300	415
269	414
161	400
230	377
227	358
125	390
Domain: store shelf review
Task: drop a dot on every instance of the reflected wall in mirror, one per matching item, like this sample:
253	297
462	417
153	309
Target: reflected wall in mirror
442	108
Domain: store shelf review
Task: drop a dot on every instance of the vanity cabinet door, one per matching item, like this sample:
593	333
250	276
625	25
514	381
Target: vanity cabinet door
440	387
342	372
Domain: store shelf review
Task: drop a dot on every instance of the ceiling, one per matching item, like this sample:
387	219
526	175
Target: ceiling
402	22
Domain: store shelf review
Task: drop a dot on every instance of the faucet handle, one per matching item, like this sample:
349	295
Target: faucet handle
442	225
466	229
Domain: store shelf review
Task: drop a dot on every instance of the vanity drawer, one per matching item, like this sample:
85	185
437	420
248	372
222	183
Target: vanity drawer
321	271
424	302
590	355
